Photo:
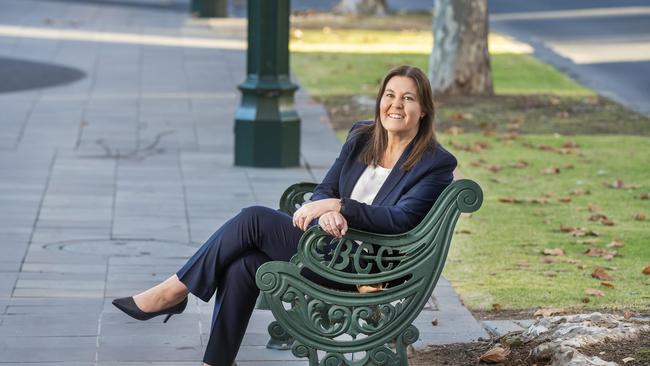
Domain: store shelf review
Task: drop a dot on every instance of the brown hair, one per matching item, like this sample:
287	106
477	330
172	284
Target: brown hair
425	138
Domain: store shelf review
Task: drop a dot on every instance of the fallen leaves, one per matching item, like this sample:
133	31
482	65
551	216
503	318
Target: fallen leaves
646	270
598	252
476	147
644	196
594	292
545	313
536	200
523	264
550	170
554	252
494	168
607	284
639	216
587	241
601	274
564	150
615	244
496	354
619	184
454	131
434	322
510	200
521	164
577	231
580	192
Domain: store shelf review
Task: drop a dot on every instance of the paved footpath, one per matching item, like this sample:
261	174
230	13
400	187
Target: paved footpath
116	142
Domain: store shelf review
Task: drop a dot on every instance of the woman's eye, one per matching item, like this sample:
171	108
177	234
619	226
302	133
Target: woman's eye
408	98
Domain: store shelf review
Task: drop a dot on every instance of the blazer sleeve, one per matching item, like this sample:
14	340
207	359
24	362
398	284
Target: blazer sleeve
409	210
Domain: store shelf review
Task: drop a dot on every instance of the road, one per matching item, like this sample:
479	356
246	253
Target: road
602	44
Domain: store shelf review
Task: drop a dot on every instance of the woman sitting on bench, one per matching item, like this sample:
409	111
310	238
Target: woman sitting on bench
388	175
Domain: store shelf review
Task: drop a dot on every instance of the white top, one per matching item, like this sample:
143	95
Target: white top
369	183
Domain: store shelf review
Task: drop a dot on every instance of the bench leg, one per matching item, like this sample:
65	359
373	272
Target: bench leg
280	339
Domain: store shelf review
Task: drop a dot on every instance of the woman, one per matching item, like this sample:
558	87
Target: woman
387	177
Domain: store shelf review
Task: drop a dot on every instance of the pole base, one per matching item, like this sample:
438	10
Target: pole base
261	143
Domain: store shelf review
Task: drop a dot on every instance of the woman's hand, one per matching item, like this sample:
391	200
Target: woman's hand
333	223
313	210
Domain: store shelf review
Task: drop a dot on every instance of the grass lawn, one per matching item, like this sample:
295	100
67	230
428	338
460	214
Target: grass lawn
497	258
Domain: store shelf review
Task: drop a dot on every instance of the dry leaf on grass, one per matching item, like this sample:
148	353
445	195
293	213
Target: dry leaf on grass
548	312
494	168
577	231
597	217
570	145
594	252
523	264
580	192
592	207
539	200
644	196
639	216
607	284
510	200
601	274
597	252
551	170
453	130
607	222
646	270
554	252
521	164
496	354
587	241
619	184
564	199
615	244
594	292
496	307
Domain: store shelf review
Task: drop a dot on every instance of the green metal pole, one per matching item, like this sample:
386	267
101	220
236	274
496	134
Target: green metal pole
267	126
210	8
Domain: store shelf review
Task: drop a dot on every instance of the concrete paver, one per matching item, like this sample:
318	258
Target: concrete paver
111	181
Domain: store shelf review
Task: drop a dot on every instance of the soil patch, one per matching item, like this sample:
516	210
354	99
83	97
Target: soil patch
460	354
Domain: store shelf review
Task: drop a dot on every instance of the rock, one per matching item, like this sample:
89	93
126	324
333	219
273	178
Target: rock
562	336
568	356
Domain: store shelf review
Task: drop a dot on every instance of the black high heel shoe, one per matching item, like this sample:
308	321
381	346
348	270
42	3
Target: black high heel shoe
128	306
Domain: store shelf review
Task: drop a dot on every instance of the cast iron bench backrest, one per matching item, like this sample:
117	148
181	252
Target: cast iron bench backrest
341	323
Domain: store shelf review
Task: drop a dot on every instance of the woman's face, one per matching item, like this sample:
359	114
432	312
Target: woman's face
399	107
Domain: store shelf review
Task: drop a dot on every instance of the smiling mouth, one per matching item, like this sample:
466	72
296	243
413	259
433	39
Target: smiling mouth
395	116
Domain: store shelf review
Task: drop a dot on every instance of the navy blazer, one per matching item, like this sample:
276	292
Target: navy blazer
404	198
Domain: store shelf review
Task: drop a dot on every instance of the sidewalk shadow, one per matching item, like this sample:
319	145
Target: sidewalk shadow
17	75
165	5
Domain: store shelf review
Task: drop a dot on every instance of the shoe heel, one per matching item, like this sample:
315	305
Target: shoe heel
167	318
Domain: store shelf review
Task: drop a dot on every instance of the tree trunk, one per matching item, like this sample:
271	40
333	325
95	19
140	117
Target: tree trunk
365	7
460	63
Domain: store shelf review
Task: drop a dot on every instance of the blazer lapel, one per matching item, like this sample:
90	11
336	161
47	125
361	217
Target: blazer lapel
393	178
352	177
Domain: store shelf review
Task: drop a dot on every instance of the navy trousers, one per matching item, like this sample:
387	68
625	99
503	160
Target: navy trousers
227	263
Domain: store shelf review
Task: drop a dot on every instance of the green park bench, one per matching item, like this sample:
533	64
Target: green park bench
375	327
